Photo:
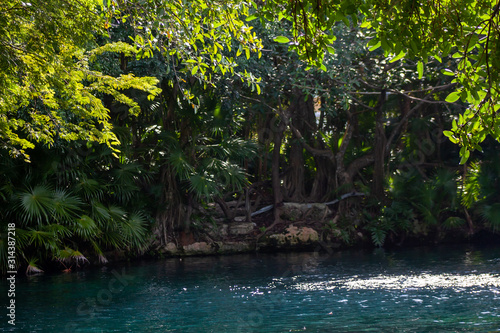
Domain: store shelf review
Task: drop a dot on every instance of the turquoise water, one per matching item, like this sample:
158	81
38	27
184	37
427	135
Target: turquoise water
418	290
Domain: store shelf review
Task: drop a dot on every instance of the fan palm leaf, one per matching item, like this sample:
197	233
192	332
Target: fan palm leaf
86	228
89	188
491	213
134	230
100	214
68	256
44	239
35	204
60	231
33	267
66	206
203	185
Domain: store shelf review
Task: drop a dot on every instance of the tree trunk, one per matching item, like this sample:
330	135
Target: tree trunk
170	214
301	113
379	151
276	181
171	211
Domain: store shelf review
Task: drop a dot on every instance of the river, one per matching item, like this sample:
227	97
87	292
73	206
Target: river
441	289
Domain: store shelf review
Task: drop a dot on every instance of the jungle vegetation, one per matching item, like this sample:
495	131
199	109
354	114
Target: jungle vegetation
122	123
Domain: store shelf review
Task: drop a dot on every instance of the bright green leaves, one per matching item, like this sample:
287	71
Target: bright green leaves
453	97
420	69
467	28
399	56
281	39
373	44
448	72
47	77
197	40
464	154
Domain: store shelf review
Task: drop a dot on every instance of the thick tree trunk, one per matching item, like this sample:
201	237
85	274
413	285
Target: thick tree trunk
324	179
379	151
171	212
276	181
294	182
301	113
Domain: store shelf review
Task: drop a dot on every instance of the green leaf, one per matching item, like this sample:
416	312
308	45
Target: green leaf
399	56
376	46
447	72
465	153
451	136
453	97
251	18
420	69
281	39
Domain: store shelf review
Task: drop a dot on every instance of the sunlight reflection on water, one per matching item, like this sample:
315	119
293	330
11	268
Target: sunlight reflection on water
396	282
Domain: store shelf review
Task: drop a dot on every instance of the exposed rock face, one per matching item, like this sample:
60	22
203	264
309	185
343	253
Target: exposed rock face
198	248
204	248
241	228
297	211
170	249
218	231
234	247
295	237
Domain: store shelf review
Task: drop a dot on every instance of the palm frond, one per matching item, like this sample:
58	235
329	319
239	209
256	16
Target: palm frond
134	230
33	267
112	238
60	231
86	228
203	185
89	188
35	204
453	222
44	239
97	249
491	213
23	238
179	162
100	213
123	193
117	213
66	206
234	177
471	192
68	256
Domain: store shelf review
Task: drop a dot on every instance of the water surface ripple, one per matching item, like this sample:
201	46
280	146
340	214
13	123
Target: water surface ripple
445	289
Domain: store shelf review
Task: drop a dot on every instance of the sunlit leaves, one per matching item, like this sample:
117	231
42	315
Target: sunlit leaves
281	39
197	39
453	97
420	69
47	50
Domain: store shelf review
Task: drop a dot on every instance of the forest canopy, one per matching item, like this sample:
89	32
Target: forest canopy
149	123
47	49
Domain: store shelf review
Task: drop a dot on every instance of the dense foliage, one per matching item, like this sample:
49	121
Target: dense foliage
122	122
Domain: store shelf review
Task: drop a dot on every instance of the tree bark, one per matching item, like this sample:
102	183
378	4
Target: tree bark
379	151
276	181
301	114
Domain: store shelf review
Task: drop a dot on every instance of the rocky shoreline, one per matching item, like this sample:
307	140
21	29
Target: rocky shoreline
300	228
